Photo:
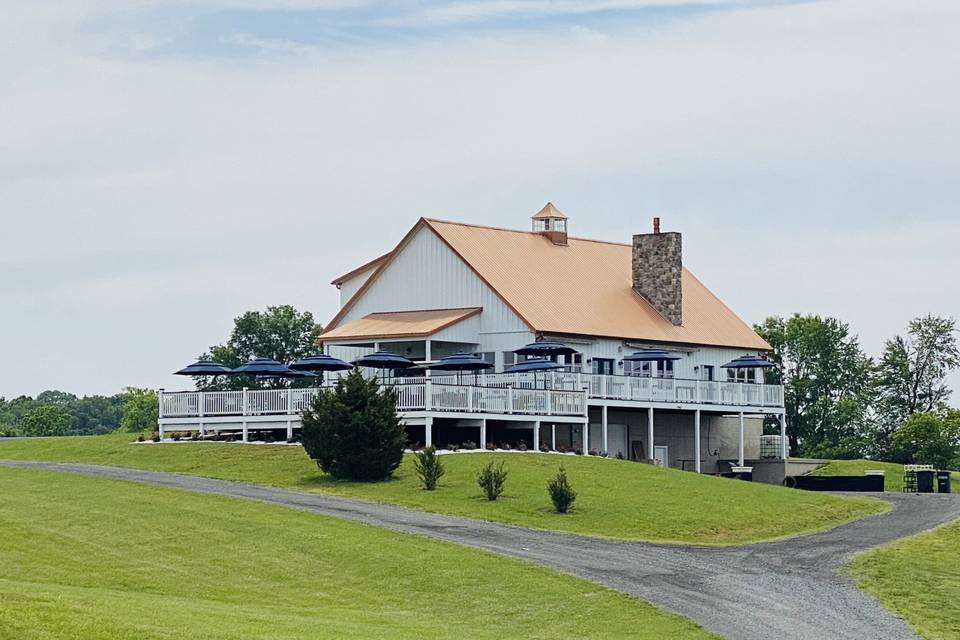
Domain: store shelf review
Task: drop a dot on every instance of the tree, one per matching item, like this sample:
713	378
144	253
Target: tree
827	383
46	420
281	333
928	438
353	432
56	397
140	410
561	493
911	376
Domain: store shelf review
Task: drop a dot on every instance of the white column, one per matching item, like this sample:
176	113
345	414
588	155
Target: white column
784	445
536	435
246	432
483	433
289	430
553	436
586	438
740	457
427	355
428	432
160	430
603	423
650	433
696	440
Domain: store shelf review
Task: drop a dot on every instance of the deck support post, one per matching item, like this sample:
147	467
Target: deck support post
553	436
784	445
650	433
740	450
289	430
428	432
536	435
696	440
160	429
604	427
483	433
246	432
586	438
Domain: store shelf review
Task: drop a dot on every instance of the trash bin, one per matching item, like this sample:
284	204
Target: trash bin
943	482
925	481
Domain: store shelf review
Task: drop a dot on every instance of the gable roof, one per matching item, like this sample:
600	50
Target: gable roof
400	324
582	288
366	266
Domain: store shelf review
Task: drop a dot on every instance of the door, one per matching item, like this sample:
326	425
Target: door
660	456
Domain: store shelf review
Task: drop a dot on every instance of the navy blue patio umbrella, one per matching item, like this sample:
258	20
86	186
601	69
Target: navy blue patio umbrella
384	360
263	367
320	363
460	362
748	362
203	368
545	349
651	355
533	365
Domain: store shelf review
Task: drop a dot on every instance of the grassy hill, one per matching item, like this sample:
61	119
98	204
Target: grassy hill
917	578
96	559
616	498
893	472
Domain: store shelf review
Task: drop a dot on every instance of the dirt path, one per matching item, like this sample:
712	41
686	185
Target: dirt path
788	590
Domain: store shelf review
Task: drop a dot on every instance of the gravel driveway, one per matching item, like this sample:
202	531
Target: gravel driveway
787	589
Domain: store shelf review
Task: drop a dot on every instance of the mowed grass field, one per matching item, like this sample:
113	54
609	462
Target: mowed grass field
917	578
616	498
94	559
893	472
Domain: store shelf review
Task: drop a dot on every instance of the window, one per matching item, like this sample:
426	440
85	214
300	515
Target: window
706	372
509	359
632	368
603	366
539	225
742	375
647	369
488	356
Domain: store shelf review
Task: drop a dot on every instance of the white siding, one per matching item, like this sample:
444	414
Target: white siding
351	286
427	274
687	367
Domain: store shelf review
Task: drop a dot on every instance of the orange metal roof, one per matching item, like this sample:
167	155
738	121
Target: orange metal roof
586	288
399	324
367	266
548	211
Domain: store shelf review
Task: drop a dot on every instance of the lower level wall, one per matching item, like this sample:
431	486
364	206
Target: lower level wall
719	437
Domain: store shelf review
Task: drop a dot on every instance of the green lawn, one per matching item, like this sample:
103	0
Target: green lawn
616	498
893	478
918	578
94	559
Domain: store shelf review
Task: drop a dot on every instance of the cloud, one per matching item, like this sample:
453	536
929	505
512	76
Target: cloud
148	199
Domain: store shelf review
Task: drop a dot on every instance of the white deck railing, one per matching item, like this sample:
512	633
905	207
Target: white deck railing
637	388
419	395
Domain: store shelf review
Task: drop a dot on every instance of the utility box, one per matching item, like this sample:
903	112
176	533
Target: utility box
925	481
943	482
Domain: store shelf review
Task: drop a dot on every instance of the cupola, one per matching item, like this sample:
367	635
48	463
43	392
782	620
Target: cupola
551	222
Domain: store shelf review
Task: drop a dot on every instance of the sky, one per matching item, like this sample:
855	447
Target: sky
166	166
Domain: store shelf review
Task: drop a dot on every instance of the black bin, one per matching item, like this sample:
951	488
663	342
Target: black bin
943	482
925	481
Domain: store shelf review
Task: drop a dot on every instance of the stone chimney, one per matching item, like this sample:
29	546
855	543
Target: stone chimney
657	271
551	222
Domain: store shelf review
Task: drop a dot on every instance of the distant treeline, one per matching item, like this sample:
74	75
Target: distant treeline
58	413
